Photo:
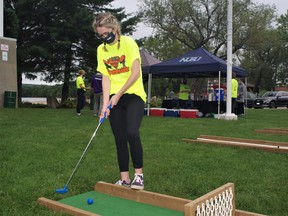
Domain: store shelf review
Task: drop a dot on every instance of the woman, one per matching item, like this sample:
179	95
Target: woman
81	89
120	63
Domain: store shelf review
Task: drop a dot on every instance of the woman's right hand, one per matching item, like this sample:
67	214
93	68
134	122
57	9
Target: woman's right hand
105	112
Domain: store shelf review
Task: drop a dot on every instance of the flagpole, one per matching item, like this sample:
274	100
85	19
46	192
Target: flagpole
229	56
229	115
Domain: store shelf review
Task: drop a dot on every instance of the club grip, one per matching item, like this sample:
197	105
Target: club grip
102	119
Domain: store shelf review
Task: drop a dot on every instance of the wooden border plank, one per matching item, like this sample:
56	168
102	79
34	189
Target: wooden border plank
237	145
277	129
273	131
245	213
243	143
147	197
60	207
262	142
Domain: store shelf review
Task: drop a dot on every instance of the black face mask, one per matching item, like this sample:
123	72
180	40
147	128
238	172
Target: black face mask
110	38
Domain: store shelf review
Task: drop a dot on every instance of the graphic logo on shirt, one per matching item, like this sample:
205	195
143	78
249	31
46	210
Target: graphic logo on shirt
116	65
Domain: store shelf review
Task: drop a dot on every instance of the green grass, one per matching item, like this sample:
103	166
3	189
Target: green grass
39	148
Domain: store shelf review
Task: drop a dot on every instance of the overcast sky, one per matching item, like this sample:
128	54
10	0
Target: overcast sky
142	30
132	6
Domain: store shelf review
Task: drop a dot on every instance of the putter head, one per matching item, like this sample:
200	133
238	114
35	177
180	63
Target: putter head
62	190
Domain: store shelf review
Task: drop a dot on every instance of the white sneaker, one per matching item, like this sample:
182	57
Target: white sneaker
123	183
138	182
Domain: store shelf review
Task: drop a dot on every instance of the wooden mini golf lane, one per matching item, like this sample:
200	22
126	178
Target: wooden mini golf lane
116	200
104	204
244	143
110	199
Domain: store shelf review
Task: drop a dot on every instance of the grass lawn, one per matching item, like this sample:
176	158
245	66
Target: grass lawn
39	148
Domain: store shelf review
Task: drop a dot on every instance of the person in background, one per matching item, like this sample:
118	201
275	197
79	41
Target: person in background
119	62
242	92
81	90
171	95
184	94
234	93
96	86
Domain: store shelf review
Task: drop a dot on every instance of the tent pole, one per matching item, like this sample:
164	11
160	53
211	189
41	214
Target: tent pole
218	98
149	93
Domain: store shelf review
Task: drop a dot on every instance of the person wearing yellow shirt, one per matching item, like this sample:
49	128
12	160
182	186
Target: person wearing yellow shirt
81	89
119	62
234	92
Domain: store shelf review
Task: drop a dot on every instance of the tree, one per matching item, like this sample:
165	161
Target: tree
55	37
11	20
186	25
199	23
262	61
282	72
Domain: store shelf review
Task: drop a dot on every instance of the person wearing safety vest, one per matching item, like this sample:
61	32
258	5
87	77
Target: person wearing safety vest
234	92
81	90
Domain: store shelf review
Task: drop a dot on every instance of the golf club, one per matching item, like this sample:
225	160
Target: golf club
65	188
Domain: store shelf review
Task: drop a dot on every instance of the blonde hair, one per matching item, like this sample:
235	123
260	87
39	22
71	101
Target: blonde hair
109	21
81	72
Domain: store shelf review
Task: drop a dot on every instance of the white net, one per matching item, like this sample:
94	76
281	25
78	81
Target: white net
221	205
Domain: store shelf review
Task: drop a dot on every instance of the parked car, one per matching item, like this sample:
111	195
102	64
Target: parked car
274	99
253	101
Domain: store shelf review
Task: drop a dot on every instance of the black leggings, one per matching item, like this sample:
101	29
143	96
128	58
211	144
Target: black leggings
233	108
80	100
125	119
240	108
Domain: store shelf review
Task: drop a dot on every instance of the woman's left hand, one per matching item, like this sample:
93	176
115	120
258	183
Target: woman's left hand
114	100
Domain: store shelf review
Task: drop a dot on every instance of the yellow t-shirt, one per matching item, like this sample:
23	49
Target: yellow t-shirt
79	81
117	65
184	92
234	90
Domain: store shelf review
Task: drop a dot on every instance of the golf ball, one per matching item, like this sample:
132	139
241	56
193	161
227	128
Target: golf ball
89	201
